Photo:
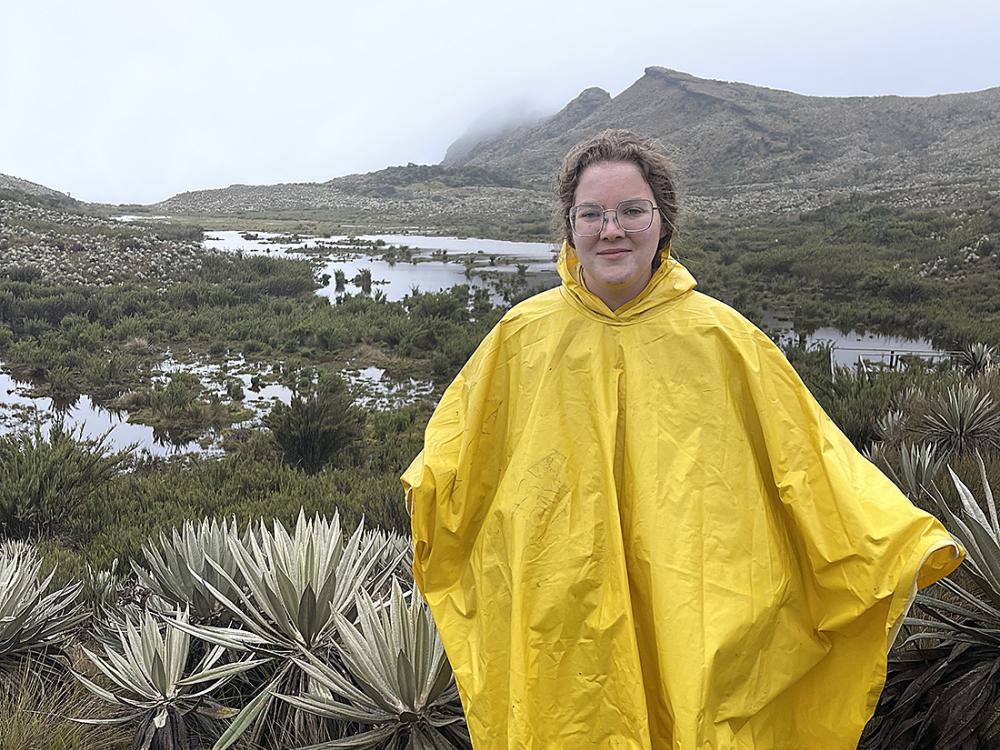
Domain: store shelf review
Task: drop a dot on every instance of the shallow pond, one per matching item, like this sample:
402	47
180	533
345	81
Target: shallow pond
850	346
396	279
370	387
18	412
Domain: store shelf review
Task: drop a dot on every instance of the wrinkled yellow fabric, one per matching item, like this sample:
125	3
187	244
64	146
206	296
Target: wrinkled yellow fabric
638	530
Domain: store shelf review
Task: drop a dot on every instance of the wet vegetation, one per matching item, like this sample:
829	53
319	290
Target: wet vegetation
107	341
859	264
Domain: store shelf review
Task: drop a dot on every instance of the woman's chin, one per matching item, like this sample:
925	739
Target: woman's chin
616	278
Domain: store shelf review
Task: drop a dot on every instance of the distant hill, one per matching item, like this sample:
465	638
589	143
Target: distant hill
741	149
725	135
7	182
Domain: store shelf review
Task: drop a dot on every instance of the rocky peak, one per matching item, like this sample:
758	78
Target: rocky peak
585	104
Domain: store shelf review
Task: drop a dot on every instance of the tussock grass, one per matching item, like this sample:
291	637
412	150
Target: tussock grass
37	708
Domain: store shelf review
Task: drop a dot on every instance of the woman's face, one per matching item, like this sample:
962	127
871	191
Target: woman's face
617	265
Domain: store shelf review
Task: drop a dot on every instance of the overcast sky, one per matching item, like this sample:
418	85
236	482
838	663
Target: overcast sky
133	102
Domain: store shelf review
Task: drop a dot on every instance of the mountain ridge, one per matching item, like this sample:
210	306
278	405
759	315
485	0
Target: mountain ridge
729	134
740	149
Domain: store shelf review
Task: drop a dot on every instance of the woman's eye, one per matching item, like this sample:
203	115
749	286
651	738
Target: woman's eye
588	214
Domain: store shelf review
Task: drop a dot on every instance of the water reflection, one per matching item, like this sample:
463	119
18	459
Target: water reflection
468	261
850	346
370	386
18	410
272	241
83	417
373	390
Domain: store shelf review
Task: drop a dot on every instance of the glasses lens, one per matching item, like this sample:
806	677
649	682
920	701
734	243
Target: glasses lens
587	219
635	215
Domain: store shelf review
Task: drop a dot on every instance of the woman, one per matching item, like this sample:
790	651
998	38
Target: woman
635	527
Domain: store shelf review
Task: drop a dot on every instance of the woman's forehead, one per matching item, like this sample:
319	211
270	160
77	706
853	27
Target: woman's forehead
611	181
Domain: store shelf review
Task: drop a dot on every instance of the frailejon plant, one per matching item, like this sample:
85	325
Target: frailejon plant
891	427
33	620
394	559
177	569
962	420
295	585
393	687
918	466
102	593
146	674
977	358
946	695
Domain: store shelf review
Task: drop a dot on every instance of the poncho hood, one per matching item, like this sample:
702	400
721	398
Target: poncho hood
670	281
637	530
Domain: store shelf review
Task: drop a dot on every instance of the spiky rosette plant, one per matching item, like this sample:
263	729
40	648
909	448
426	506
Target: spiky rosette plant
943	684
33	620
104	591
296	584
394	553
393	686
177	569
962	420
918	465
891	427
977	358
101	587
146	674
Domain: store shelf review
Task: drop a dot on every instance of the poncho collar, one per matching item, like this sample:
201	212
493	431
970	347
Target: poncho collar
670	281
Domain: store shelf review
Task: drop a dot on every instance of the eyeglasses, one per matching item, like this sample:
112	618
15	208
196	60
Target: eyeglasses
588	219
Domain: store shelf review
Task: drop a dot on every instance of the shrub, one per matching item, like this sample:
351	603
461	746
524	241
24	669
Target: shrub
45	481
319	429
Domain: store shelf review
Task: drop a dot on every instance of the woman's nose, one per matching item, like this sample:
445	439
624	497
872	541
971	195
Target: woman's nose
611	227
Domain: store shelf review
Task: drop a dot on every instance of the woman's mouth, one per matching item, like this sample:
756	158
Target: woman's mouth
613	251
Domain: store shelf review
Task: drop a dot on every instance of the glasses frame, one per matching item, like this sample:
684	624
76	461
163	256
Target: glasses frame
604	220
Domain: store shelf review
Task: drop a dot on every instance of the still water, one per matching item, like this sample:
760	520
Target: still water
850	346
370	387
468	261
426	272
84	418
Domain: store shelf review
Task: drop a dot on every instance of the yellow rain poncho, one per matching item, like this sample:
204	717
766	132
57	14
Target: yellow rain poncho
637	530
